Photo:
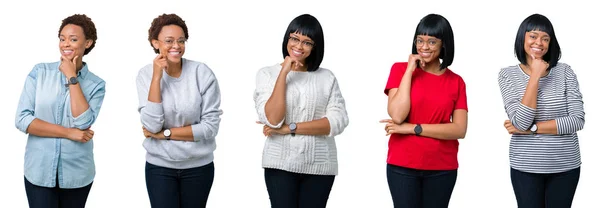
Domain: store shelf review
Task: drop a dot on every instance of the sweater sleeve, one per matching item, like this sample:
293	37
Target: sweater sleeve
151	113
262	93
211	112
336	111
520	115
576	116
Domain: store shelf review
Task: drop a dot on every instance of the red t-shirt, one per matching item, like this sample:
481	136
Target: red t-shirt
433	99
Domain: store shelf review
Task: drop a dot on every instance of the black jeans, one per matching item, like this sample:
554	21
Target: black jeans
295	190
56	197
173	188
412	188
554	190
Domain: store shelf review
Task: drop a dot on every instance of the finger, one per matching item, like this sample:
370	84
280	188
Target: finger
75	60
385	121
258	122
532	57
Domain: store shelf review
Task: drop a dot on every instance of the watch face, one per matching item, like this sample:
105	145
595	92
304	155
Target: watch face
418	129
293	126
73	80
534	127
167	133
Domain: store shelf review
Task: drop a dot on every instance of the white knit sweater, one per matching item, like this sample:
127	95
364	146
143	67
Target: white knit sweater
310	96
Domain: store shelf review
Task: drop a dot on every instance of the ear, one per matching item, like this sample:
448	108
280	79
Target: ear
88	43
155	44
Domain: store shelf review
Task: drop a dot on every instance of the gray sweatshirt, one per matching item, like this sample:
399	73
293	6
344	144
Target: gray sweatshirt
191	99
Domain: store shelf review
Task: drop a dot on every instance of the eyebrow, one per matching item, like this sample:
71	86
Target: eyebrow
174	37
69	36
534	32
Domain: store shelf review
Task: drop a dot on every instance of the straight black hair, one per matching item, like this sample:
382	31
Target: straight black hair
437	26
537	22
309	26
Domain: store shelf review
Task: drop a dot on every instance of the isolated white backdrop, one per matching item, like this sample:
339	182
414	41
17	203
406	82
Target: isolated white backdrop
236	38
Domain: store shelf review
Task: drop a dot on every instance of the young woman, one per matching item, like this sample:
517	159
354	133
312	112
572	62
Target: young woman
59	103
427	103
545	111
302	109
179	103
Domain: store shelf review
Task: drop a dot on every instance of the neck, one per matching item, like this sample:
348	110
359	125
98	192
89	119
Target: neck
432	67
78	65
174	69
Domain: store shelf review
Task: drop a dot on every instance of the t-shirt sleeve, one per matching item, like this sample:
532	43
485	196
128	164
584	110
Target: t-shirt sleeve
461	102
395	77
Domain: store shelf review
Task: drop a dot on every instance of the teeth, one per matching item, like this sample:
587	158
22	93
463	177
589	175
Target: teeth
175	52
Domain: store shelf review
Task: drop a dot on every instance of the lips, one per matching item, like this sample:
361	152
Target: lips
174	53
297	53
426	54
67	52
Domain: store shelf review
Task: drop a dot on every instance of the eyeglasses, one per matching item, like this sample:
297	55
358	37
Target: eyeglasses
295	40
433	42
170	42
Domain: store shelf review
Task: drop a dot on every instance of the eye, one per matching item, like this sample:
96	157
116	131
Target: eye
294	39
419	41
169	41
432	42
74	40
546	40
61	39
532	36
309	44
181	42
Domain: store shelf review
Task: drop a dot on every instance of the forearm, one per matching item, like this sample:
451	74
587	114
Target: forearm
530	96
154	92
547	127
78	102
446	131
184	133
318	127
399	103
42	128
275	106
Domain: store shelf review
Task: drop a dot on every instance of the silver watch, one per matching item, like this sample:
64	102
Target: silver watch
167	134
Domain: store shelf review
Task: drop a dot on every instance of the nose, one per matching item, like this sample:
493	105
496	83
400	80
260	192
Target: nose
538	41
425	45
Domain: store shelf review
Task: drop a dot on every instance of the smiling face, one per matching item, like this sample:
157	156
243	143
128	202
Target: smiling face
72	42
171	43
428	47
299	47
536	44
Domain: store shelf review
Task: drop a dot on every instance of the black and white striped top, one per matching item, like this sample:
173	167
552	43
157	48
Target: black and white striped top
558	99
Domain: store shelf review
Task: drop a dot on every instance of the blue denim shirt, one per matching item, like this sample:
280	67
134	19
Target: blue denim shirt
46	97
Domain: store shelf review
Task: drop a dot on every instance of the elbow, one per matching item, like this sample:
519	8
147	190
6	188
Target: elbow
397	117
152	127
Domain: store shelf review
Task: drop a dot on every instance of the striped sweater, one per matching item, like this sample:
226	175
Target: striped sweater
558	99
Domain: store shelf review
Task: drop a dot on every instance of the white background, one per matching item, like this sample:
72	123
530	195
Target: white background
236	38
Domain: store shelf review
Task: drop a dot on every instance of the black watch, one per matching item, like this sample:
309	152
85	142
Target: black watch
418	129
72	81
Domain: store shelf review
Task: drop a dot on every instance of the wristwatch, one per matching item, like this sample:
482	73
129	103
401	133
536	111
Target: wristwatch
293	129
418	129
534	129
167	134
72	81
